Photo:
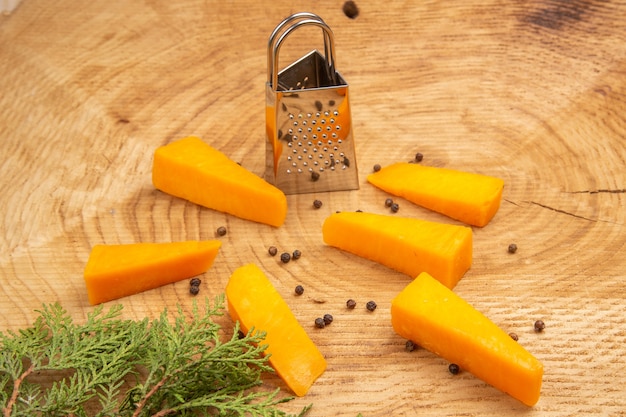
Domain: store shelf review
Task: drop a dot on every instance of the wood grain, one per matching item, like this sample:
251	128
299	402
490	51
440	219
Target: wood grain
531	91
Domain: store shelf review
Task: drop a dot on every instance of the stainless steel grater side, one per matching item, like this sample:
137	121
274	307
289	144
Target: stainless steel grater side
310	146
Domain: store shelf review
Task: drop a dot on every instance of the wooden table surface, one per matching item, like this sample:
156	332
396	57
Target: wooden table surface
533	92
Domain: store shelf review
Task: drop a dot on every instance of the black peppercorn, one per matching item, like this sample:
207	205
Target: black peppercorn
410	346
194	282
221	231
296	254
395	207
285	257
512	248
539	326
350	9
317	204
194	290
514	336
328	318
377	167
371	305
454	368
319	322
419	157
299	289
351	304
272	250
315	176
388	202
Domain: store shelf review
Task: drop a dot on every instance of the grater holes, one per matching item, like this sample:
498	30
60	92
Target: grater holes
303	121
300	85
314	138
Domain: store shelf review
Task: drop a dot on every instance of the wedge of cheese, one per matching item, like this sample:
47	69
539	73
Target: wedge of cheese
195	171
468	197
435	318
255	303
408	245
115	271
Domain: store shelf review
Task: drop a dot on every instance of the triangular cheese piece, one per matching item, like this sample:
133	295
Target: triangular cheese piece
193	170
115	271
437	319
255	303
465	196
408	245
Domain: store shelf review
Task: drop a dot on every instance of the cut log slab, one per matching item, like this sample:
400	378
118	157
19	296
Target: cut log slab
533	93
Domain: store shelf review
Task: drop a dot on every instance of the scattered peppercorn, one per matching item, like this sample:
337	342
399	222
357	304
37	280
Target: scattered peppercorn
241	334
350	9
273	250
388	202
419	157
285	257
195	282
319	322
299	289
512	248
539	326
514	336
377	167
296	254
371	305
328	318
454	368
221	231
315	176
410	346
395	207
194	290
351	304
317	204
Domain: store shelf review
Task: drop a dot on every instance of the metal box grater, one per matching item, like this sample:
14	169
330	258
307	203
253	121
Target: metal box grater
310	145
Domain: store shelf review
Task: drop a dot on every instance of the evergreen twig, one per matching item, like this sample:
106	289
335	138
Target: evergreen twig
113	367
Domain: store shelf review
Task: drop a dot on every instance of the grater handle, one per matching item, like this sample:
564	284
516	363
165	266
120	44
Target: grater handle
275	42
276	31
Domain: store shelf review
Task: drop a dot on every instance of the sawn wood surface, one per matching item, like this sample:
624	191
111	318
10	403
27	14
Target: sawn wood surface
533	92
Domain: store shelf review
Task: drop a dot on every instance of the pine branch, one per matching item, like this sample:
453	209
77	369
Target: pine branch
177	366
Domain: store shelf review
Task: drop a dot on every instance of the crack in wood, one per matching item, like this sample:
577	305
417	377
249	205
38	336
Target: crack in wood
600	191
562	211
571	214
511	201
